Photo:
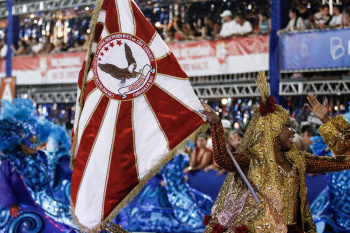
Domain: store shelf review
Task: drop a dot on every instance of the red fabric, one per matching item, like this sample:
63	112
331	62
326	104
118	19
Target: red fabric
98	31
241	229
170	66
81	75
144	30
112	18
87	139
172	116
105	5
206	219
123	163
199	159
89	87
217	228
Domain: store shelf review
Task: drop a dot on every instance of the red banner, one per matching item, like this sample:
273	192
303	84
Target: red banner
46	69
237	55
197	58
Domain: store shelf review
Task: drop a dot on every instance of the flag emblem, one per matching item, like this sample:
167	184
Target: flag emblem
124	79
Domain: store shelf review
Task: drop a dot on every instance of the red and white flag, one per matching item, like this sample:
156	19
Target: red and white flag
135	110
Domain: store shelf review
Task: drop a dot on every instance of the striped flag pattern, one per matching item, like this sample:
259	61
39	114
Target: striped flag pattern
135	110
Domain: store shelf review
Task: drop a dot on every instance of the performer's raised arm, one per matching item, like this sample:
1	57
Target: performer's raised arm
336	134
221	156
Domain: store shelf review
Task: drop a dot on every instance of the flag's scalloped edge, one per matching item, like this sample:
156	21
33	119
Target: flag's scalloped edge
161	163
93	22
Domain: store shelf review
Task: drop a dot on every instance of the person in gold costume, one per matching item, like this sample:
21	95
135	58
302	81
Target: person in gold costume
275	169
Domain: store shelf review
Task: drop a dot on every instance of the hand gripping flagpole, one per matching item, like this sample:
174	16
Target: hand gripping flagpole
243	176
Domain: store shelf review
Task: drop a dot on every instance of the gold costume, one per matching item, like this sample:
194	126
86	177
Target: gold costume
284	206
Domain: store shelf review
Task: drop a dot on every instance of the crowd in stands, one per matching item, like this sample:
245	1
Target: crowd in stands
303	19
222	22
34	46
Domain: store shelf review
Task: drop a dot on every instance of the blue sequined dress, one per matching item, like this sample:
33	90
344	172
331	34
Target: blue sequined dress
173	208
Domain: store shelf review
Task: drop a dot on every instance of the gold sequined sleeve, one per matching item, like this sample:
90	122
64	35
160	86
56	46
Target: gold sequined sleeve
221	156
336	134
322	164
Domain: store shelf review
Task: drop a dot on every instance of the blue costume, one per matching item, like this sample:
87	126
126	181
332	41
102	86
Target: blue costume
331	207
26	178
173	208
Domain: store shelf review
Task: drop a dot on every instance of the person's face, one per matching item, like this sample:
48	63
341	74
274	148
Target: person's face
261	17
292	15
235	140
201	142
287	135
239	20
326	11
226	18
336	11
307	138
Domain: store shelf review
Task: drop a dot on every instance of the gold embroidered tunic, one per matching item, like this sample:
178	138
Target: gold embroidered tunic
283	196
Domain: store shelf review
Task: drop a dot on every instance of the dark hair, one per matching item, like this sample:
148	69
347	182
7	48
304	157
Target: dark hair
294	10
325	6
202	135
240	15
263	13
310	131
340	8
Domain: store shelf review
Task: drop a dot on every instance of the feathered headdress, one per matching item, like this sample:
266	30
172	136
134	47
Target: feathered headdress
267	102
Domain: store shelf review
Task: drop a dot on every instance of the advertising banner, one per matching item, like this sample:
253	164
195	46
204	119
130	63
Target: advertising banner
46	69
237	55
197	58
317	50
7	88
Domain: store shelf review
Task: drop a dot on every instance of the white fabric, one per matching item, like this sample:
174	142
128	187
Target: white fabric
182	89
243	29
300	25
37	47
158	47
336	20
147	130
228	28
101	17
3	51
77	109
89	107
126	17
89	205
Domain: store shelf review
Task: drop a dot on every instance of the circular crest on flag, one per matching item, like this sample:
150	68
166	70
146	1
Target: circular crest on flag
124	66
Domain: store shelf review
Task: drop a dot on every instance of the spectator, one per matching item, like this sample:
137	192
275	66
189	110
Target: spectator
295	23
243	27
36	46
346	18
3	51
60	47
80	47
307	134
174	29
207	31
264	23
235	139
22	48
298	140
310	22
188	32
322	18
337	18
201	156
47	46
301	10
228	28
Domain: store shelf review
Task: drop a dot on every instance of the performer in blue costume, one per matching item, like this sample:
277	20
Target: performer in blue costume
167	203
27	203
330	210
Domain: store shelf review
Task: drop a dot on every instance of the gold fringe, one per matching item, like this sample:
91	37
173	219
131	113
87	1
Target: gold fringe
170	155
94	18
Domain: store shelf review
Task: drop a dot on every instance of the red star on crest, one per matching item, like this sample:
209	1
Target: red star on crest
111	44
99	59
119	42
102	54
106	48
